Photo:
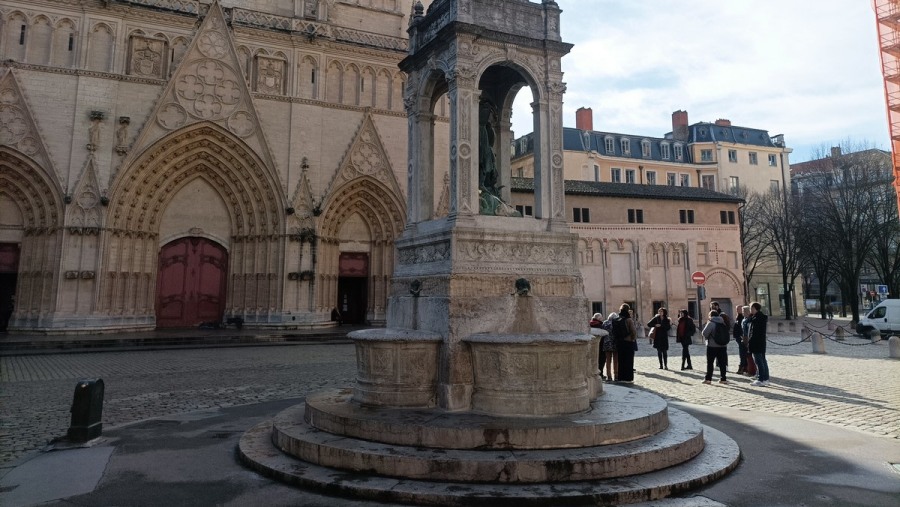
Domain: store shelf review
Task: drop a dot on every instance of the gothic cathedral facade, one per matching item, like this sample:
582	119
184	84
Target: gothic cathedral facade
165	163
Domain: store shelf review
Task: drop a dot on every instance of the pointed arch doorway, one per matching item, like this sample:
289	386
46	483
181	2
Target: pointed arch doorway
191	283
353	287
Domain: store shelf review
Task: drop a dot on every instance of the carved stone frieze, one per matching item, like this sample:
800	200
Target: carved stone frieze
424	254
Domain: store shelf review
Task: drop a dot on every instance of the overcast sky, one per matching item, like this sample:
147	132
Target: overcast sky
807	69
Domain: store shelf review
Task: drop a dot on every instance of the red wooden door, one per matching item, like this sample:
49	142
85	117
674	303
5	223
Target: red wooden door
191	283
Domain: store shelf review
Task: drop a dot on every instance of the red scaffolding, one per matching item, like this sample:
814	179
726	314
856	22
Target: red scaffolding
887	16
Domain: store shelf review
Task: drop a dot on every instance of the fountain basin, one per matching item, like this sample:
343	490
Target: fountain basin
396	367
542	374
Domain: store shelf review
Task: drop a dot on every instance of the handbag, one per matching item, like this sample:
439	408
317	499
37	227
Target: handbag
652	334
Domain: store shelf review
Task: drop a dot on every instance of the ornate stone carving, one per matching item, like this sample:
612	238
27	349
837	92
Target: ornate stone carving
147	57
270	75
423	254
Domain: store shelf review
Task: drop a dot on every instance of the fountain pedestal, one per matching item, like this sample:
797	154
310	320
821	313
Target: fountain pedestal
484	388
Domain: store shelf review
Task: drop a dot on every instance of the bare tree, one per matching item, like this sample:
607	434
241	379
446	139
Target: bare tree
885	256
847	217
752	229
780	212
818	255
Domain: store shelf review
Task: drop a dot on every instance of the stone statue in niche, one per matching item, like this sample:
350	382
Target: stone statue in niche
94	134
122	135
489	199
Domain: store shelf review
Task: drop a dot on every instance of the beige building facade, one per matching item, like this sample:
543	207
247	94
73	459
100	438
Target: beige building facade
640	244
716	156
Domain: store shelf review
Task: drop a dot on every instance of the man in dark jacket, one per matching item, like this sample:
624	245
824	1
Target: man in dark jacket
757	344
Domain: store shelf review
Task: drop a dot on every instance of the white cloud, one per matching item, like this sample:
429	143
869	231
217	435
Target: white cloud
809	70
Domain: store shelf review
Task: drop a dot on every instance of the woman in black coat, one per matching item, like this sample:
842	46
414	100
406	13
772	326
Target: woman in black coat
660	325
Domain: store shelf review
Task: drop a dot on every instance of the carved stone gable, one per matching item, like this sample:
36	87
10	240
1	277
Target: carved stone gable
84	210
366	157
304	205
18	128
207	86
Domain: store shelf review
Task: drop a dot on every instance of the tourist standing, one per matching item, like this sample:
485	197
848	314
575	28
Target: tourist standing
738	333
715	333
757	344
659	336
609	348
684	334
626	337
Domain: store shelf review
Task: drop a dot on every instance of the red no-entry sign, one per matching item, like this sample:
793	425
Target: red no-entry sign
698	277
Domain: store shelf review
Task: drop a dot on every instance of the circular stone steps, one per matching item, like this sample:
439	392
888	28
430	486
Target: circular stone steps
681	441
683	456
619	415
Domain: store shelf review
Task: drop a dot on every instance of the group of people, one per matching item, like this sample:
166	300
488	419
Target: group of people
748	329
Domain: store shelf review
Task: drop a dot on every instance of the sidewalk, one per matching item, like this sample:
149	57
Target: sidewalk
26	344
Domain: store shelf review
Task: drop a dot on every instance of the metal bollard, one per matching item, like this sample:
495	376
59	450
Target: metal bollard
894	347
818	344
87	407
839	334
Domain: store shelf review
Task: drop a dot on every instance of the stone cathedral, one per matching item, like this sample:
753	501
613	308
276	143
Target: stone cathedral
165	163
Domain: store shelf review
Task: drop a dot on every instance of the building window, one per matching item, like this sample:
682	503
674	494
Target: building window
664	151
520	172
685	180
703	254
312	76
651	177
708	181
773	185
525	211
706	156
596	173
772	160
71	41
626	146
22	36
610	145
679	152
676	257
581	215
615	175
671	179
686	216
753	159
727	217
733	183
597	307
732	156
635	216
629	175
645	149
655	259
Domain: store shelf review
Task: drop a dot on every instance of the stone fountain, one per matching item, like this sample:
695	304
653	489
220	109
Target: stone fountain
484	387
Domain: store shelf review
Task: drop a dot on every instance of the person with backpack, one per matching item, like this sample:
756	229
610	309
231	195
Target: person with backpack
659	336
625	336
717	335
608	349
684	334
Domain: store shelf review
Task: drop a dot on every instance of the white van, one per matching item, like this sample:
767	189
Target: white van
885	318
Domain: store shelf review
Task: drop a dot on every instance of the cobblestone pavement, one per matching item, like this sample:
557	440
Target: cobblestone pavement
854	385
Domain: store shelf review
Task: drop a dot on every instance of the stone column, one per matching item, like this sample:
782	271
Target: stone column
464	154
420	194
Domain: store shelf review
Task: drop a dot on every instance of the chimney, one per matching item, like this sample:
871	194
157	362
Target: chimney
584	119
680	125
722	122
835	151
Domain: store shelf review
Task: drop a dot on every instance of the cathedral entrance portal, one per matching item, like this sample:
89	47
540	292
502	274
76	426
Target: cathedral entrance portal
353	287
9	264
191	283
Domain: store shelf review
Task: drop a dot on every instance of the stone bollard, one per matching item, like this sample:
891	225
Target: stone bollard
818	344
781	327
894	347
804	334
875	335
792	325
839	333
